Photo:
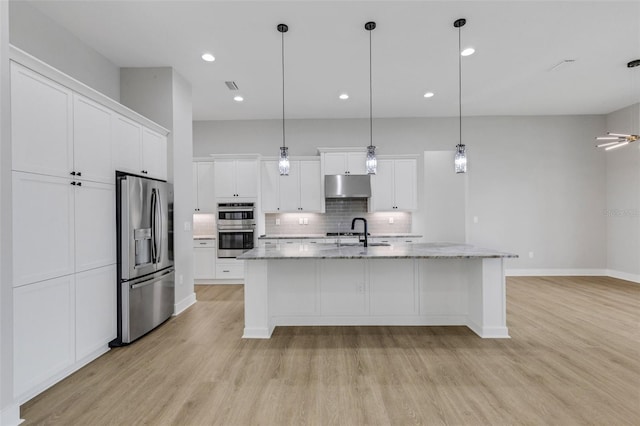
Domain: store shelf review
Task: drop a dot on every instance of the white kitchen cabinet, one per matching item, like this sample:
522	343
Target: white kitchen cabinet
393	289
345	163
43	227
127	144
342	287
232	269
138	150
41	124
394	186
96	308
204	252
235	179
95	224
154	154
203	188
91	141
300	191
44	332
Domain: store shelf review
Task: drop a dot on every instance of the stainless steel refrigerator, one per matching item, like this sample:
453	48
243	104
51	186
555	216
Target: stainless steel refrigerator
146	275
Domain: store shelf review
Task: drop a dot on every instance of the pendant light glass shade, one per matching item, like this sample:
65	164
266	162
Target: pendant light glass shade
460	160
372	161
283	162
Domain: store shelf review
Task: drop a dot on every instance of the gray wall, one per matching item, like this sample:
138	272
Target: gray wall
40	36
165	97
536	184
623	197
9	413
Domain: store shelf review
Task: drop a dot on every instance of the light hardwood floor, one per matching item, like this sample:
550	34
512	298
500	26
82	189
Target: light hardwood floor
573	359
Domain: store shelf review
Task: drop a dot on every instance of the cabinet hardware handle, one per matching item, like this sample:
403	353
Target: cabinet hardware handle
225	270
79	174
73	183
72	173
79	184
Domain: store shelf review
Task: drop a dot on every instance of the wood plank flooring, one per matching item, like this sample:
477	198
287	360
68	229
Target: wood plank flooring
573	359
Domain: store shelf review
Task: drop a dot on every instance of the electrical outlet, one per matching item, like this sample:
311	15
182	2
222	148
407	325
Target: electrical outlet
306	221
530	255
181	279
390	221
300	221
187	226
278	222
475	219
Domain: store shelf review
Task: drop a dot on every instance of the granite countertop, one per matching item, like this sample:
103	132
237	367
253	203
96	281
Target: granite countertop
317	236
404	251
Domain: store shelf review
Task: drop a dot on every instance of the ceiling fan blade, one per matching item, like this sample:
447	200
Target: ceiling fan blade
617	146
608	138
618	134
602	145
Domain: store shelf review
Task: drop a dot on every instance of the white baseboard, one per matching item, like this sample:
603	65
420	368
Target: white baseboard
559	272
184	304
624	276
10	416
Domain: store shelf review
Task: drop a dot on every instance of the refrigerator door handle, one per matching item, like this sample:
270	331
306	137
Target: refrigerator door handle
159	224
150	280
154	236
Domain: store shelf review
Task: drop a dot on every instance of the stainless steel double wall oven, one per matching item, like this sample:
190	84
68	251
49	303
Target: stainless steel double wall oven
236	229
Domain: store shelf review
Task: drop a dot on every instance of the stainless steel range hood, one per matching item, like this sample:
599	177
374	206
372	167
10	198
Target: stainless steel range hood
347	186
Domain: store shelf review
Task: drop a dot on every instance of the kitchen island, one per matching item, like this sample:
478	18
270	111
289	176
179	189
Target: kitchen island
405	284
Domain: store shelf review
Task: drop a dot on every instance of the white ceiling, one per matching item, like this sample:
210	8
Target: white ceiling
414	50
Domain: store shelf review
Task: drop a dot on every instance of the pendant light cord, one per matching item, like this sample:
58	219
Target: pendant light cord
370	97
283	133
459	87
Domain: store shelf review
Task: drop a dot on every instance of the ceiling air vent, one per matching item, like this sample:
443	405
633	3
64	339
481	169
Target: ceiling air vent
231	85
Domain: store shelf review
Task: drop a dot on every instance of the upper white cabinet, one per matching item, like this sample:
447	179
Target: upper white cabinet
300	191
91	141
41	124
154	154
137	149
394	186
344	163
235	178
203	188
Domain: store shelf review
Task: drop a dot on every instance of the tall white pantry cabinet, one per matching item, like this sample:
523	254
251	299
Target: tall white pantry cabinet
65	150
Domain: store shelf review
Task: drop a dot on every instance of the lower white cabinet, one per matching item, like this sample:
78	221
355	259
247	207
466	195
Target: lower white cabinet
342	287
232	269
43	332
96	305
204	262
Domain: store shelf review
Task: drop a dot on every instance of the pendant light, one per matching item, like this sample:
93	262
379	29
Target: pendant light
372	162
460	161
618	140
283	163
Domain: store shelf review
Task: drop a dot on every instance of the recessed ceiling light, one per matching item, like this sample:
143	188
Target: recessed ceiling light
344	96
238	98
208	57
428	95
468	51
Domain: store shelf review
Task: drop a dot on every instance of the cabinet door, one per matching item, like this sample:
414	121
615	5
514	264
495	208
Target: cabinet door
204	263
393	287
41	124
126	144
357	163
247	178
95	310
194	186
43	331
270	187
92	141
335	163
43	227
382	187
154	154
290	189
224	178
206	196
95	225
310	186
342	287
405	182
